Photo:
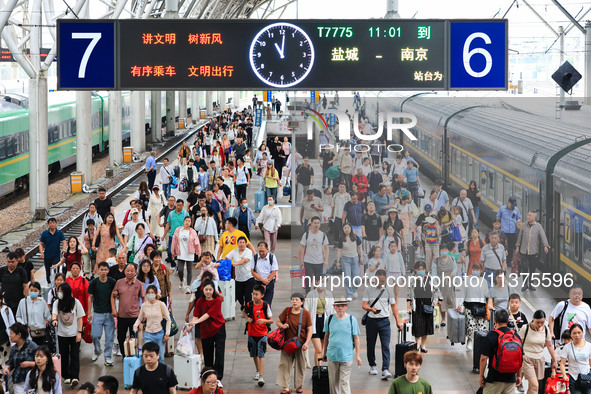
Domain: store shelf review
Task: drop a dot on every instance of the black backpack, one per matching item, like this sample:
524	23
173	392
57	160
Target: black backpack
558	321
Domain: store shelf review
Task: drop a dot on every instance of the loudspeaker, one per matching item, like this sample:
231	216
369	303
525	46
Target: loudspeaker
566	76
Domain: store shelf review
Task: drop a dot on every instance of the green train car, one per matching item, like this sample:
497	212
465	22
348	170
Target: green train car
14	136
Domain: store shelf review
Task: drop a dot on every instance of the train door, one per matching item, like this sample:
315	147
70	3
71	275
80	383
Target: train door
556	235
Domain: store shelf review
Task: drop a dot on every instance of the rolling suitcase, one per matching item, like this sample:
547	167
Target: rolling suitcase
187	370
130	364
229	303
259	200
402	347
320	384
479	337
456	327
56	357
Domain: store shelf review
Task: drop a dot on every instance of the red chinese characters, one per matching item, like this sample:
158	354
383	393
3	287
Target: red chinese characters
205	38
153	71
224	71
159	39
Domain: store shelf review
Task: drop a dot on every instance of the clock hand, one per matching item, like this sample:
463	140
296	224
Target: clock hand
279	50
282	46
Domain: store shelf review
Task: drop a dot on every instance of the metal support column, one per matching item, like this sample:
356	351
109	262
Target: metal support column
223	100
156	116
137	122
183	104
587	73
561	39
195	105
236	99
115	129
209	102
38	152
170	113
84	136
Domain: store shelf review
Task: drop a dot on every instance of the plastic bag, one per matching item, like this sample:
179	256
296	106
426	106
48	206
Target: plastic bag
225	269
186	345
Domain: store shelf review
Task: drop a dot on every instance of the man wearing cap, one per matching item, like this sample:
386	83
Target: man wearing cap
442	198
466	207
509	217
129	229
151	169
341	344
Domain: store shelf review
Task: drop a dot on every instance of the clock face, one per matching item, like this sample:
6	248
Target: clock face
281	55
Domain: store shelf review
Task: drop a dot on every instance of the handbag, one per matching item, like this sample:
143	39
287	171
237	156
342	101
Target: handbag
365	317
87	333
174	328
584	379
35	332
294	344
477	309
428	309
455	234
276	339
97	239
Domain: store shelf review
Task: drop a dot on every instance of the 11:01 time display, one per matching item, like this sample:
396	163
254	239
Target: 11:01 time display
391	32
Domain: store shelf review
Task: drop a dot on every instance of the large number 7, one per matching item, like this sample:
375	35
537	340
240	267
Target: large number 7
95	37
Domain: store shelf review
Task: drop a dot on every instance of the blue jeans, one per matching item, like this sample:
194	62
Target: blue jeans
477	214
489	276
102	321
166	190
382	328
270	191
158	338
350	266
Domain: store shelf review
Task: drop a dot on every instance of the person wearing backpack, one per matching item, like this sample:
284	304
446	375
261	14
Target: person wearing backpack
536	336
258	315
502	349
566	313
341	347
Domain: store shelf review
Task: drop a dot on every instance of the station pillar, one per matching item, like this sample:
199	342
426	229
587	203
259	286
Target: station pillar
170	113
587	74
236	99
195	105
138	132
38	144
183	104
156	116
115	129
84	136
209	102
223	100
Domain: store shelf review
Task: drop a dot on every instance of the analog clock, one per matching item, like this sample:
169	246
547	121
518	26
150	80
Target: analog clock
281	55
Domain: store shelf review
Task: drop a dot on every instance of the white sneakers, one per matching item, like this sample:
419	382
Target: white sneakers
257	376
386	374
95	356
373	371
469	344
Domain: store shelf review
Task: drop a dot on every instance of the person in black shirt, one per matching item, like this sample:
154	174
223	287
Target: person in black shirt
153	377
248	128
304	178
371	223
496	382
118	271
103	204
25	264
374	179
326	159
14	282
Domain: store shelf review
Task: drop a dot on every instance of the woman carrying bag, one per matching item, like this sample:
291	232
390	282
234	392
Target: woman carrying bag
319	303
294	320
421	305
578	355
155	313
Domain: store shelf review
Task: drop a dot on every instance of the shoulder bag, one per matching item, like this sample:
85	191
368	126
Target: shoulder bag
365	315
276	338
294	344
35	332
584	379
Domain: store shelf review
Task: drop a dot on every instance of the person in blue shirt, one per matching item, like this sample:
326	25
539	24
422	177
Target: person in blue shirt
245	217
442	198
151	169
352	214
382	201
411	173
51	243
341	346
510	217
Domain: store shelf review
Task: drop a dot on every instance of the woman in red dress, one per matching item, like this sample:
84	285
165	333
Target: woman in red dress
473	248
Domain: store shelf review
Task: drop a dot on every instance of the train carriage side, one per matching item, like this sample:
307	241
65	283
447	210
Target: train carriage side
14	148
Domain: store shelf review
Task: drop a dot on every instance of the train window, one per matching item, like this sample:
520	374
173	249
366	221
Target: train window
2	148
491	184
463	166
578	235
508	189
499	189
587	244
518	192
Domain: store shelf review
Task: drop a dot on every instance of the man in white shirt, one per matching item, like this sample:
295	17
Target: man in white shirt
165	176
467	209
129	229
572	311
264	269
241	260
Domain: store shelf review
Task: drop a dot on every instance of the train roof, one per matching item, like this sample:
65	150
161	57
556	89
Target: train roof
528	138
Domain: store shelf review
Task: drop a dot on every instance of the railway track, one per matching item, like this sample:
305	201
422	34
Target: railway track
118	194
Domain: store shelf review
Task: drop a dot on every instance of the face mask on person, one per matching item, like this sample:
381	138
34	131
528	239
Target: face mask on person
475	272
244	206
151	297
444	253
271	202
421	273
60	295
402	189
34	294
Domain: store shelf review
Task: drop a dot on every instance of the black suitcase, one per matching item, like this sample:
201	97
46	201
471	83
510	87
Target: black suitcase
401	348
320	383
479	336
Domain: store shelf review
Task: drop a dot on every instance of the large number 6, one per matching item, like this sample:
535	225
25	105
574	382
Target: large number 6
94	37
469	53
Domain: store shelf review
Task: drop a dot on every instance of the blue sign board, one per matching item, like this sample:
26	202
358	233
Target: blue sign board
86	55
312	96
332	119
269	95
258	119
478	55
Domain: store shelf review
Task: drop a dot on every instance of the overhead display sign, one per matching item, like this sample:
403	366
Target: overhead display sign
393	54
